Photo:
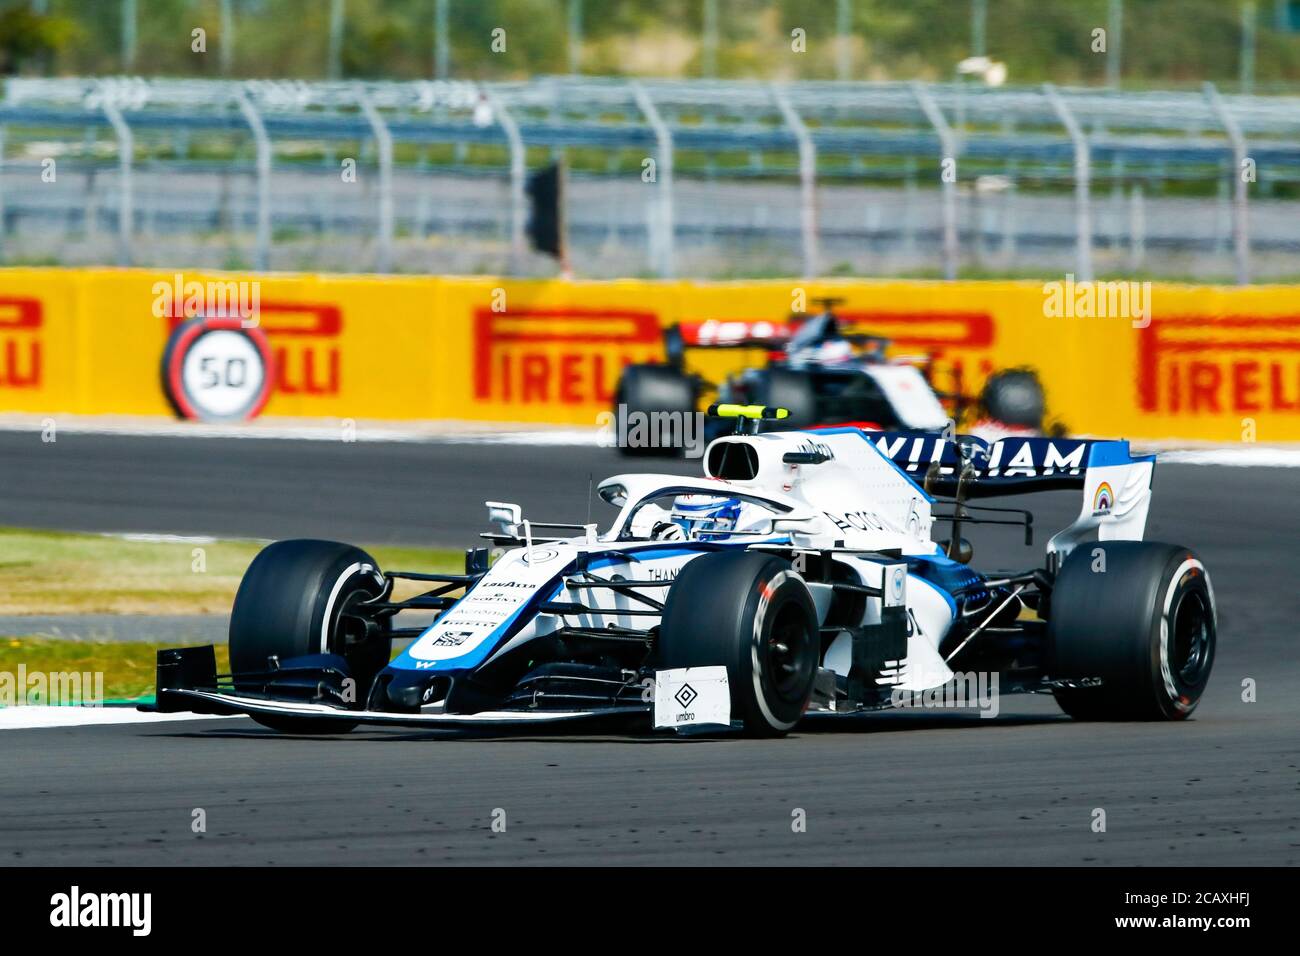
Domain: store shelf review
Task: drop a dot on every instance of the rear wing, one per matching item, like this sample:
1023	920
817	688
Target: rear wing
1006	467
742	333
1116	485
733	333
758	334
724	334
745	334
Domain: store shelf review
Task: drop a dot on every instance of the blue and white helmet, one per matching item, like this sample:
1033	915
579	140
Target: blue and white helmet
696	514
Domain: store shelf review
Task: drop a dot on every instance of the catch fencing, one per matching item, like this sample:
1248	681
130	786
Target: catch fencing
669	179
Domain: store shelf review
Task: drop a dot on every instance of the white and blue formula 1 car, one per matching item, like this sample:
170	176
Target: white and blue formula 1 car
796	577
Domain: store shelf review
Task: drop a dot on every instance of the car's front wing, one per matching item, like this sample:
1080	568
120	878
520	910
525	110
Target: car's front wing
218	702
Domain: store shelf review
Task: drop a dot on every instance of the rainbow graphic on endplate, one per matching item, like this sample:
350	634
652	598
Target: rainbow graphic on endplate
1103	499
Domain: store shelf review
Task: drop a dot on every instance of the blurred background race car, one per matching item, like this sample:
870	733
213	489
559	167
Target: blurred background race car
826	373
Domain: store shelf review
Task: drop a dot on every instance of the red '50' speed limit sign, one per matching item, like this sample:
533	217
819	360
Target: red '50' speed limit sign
216	370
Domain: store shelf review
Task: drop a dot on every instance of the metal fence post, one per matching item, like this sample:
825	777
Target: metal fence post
4	219
1248	47
663	178
262	256
1137	228
335	54
518	171
384	144
1082	181
709	43
948	151
807	180
1114	44
843	38
1009	223
227	15
441	41
575	37
979	14
1240	198
129	19
125	149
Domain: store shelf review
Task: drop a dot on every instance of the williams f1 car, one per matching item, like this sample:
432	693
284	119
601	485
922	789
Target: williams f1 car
797	577
821	372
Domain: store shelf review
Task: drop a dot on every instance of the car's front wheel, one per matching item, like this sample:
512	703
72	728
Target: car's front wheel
302	597
752	613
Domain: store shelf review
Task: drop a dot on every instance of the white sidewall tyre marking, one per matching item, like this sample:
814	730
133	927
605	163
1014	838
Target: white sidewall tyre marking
755	669
360	566
1166	674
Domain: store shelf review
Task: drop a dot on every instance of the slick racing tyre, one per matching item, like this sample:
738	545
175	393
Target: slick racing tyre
1145	626
1015	397
291	602
750	612
647	389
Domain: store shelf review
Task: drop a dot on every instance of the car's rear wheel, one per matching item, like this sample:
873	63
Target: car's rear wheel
747	611
1014	397
1138	617
302	597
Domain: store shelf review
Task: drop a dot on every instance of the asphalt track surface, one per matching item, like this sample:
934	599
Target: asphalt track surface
1022	788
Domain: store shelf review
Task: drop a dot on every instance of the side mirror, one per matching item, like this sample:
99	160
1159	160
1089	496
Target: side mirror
506	516
614	494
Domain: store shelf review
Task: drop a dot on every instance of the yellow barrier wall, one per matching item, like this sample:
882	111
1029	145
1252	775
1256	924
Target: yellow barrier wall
1211	363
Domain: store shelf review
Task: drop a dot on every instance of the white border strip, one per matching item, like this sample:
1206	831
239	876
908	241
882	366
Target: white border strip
455	433
1235	457
30	718
1238	454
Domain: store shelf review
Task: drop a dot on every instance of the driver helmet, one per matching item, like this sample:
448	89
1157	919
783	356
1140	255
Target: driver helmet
695	514
833	352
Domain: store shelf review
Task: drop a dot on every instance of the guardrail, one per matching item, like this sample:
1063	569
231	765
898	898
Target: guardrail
985	143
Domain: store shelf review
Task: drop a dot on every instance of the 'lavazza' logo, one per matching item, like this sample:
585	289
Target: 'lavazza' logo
77	909
1098	300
